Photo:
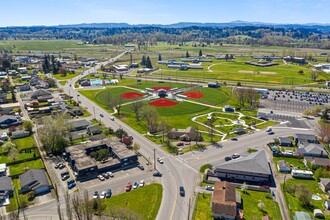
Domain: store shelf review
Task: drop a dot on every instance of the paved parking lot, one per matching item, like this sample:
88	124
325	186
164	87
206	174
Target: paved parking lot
291	120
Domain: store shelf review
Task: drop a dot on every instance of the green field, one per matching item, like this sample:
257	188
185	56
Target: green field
202	210
21	156
24	143
67	76
22	167
211	96
144	201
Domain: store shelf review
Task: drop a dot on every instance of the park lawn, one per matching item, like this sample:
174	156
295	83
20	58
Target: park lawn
293	202
212	96
24	143
249	119
151	83
250	201
21	156
22	167
232	116
203	209
144	201
266	124
67	76
63	82
295	162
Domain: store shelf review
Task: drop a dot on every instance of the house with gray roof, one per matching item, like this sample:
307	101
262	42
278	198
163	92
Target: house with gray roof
40	92
9	120
325	184
285	141
303	140
80	125
6	190
20	134
254	168
312	150
94	129
34	180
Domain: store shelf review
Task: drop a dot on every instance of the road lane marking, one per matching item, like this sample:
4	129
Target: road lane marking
176	197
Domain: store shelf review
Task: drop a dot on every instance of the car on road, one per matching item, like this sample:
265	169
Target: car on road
269	129
105	175
235	155
65	177
110	174
100	177
135	185
112	118
182	191
140	166
102	115
271	133
108	194
159	174
96	195
56	165
210	188
234	139
160	160
103	193
61	166
180	144
128	187
227	158
142	183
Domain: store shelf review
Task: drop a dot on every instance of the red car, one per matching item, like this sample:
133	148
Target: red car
128	187
180	144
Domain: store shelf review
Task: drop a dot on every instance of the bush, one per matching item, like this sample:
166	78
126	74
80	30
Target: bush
300	71
204	167
239	84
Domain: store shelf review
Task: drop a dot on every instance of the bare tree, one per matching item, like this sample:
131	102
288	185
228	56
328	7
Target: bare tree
324	132
136	108
113	102
314	74
210	123
68	205
165	128
150	114
239	95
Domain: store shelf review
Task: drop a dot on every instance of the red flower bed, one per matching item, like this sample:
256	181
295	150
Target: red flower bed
161	87
131	95
194	95
163	103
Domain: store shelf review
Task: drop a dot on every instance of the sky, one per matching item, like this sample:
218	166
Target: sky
56	12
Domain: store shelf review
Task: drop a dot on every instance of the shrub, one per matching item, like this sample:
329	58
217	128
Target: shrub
204	167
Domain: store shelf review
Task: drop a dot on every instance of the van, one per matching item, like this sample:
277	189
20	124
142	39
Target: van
269	129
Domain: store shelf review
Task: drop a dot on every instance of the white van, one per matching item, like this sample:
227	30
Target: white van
269	129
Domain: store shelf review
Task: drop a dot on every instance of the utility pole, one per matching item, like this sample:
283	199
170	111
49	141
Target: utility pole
154	159
189	208
94	111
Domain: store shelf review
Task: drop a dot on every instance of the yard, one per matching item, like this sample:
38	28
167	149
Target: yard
144	201
23	198
202	210
21	156
24	143
22	167
294	162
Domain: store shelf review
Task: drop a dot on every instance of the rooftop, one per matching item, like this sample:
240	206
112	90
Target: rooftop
224	198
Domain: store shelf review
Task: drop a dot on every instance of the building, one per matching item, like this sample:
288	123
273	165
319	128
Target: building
301	216
85	167
228	108
302	174
6	190
316	162
80	125
251	169
188	134
9	120
298	60
3	169
44	98
40	92
213	85
225	201
312	150
162	93
325	184
327	204
9	107
23	87
121	68
94	129
284	141
20	134
303	140
282	167
34	180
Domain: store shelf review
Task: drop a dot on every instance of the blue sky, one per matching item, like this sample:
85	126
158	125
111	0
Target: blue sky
54	12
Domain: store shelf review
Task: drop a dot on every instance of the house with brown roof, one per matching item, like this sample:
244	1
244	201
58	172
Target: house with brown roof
316	162
225	200
188	134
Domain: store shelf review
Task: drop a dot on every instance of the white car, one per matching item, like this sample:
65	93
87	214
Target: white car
269	129
100	177
210	188
160	160
112	118
103	193
142	183
110	174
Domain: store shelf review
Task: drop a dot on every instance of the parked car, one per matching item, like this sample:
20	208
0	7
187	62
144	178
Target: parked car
65	173
235	155
65	177
112	118
56	165
182	191
108	194
110	174
103	193
96	195
100	177
234	139
180	144
160	160
128	187
71	184
159	174
105	175
135	185
227	158
102	115
141	167
142	183
61	166
210	188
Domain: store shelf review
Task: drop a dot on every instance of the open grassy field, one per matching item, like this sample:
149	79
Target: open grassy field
202	210
144	201
21	156
22	167
211	96
24	143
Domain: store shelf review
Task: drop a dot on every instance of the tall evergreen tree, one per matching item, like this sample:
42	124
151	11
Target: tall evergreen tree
159	57
200	53
148	63
187	54
46	64
143	62
131	58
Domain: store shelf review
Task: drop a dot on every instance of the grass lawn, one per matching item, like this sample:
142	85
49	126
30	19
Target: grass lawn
293	202
24	143
250	205
295	162
22	167
203	209
13	200
67	76
212	96
21	156
144	201
63	82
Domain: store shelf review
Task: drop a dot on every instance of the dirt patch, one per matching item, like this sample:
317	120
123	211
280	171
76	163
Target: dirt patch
255	72
162	87
194	95
163	103
131	95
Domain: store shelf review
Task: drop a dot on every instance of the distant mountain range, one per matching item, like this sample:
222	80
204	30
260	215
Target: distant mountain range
196	24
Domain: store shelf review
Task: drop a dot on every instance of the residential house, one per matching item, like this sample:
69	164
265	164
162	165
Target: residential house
225	201
316	162
42	85
301	216
44	98
9	120
34	180
93	129
282	167
9	107
312	150
6	189
188	134
303	140
327	204
20	134
318	214
298	60
40	92
23	87
254	168
284	141
3	169
228	108
325	184
79	125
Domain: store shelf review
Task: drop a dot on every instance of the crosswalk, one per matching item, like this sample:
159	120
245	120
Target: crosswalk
184	162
